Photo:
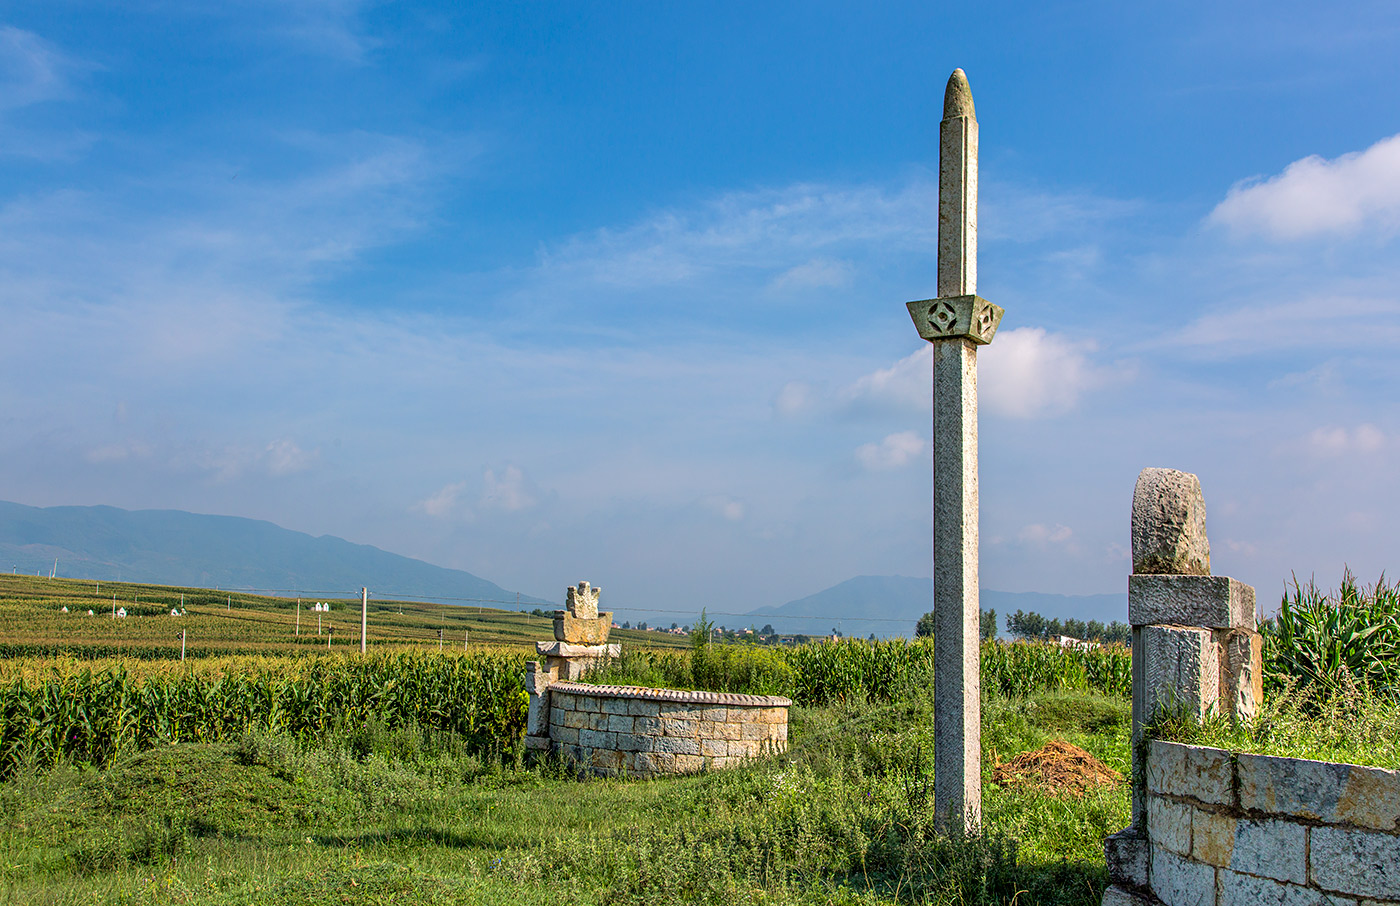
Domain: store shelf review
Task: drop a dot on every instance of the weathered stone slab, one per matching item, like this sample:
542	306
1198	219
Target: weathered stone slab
1181	882
568	650
1199	772
582	601
1291	786
619	723
1181	668
1212	837
1272	848
1218	602
1126	854
579	631
1119	896
1169	524
1244	890
967	317
1371	798
1359	862
1241	672
1169	824
537	743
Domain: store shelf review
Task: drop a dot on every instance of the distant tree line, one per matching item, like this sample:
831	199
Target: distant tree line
1032	625
987	626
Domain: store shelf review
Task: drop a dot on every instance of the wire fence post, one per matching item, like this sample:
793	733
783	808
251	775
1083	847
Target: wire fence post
364	617
182	646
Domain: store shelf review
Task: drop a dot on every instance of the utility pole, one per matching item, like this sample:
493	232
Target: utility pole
298	617
364	617
182	646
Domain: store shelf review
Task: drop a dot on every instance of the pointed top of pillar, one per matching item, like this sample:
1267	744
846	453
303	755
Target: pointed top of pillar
957	98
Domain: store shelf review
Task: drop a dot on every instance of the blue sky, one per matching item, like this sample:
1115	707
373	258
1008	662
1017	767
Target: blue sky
615	291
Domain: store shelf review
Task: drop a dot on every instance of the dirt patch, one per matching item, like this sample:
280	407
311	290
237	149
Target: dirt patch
1057	768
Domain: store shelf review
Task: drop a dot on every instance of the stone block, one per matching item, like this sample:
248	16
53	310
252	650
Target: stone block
607	761
1180	882
563	701
1169	524
675	745
619	723
967	316
730	730
754	731
651	726
581	600
631	742
1216	602
1199	772
1169	824
641	707
1181	669
1370	799
537	679
1244	890
714	747
564	735
1358	862
576	720
1126	854
1297	787
1120	896
597	720
597	739
1212	837
719	715
689	764
537	743
672	711
1241	672
1272	848
537	714
581	631
673	727
614	706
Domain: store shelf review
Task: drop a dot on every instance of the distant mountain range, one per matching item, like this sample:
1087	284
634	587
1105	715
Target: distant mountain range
171	547
891	605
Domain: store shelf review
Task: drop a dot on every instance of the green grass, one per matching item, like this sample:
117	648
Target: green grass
1353	725
402	816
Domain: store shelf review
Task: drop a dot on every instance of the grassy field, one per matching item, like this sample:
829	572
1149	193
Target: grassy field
32	622
401	816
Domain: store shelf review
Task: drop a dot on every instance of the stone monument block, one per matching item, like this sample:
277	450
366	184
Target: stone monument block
1217	602
576	631
1169	524
1241	672
1181	669
582	601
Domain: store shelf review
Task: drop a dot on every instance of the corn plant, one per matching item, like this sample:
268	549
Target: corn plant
1322	642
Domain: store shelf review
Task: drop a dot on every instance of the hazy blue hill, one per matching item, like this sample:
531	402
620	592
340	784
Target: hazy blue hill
172	547
891	605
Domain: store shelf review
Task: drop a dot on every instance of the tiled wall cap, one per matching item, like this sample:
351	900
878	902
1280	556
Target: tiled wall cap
674	695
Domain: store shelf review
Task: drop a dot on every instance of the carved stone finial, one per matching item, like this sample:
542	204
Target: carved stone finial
582	601
1169	524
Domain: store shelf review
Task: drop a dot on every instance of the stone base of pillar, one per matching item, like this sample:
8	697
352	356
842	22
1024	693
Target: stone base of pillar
568	663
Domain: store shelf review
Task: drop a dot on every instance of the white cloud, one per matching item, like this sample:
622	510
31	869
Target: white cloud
31	69
1331	442
817	273
895	451
283	457
905	385
443	501
509	491
1036	533
1314	196
794	400
1027	372
726	507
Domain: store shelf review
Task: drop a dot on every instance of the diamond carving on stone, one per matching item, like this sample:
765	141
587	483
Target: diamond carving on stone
984	320
942	317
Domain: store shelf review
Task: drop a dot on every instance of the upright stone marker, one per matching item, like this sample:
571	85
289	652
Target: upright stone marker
956	323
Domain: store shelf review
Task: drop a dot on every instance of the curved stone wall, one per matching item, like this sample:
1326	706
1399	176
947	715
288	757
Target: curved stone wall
645	732
1225	828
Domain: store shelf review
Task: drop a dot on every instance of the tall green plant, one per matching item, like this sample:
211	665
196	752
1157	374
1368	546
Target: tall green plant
1322	641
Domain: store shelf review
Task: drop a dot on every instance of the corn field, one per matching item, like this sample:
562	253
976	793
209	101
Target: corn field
92	717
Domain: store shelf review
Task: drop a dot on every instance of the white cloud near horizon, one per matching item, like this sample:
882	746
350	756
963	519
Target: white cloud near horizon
1027	372
1315	197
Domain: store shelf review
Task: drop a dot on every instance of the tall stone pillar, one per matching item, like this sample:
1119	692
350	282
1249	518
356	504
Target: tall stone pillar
956	323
